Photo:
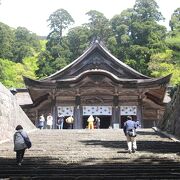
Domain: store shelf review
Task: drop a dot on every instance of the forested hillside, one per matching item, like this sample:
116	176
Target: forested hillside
134	36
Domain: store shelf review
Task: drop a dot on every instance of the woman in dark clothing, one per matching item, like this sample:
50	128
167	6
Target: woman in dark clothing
19	144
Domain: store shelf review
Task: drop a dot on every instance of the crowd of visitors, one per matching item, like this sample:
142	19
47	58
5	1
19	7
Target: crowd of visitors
60	123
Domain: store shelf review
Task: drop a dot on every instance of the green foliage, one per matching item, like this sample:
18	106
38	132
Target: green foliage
44	64
175	20
56	54
59	63
147	10
6	41
59	21
26	44
174	42
98	25
43	44
148	34
162	64
77	41
2	74
134	37
30	67
138	58
112	44
138	35
12	72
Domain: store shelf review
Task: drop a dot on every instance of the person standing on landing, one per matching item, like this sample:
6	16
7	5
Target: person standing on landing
60	121
41	122
19	144
97	122
130	133
49	121
70	121
90	121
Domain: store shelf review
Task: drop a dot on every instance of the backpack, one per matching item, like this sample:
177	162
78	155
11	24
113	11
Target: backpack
132	133
27	141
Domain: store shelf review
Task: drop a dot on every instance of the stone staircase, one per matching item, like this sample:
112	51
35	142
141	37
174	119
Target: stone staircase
92	154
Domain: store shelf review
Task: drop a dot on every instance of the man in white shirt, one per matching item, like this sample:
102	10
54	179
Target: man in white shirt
49	121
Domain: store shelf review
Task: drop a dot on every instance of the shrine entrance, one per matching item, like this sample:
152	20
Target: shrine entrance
105	121
127	111
102	112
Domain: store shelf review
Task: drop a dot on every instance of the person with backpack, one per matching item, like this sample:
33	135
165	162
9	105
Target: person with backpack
97	122
60	121
41	122
130	133
21	143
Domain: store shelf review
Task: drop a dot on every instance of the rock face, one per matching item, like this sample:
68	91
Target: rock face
171	119
11	115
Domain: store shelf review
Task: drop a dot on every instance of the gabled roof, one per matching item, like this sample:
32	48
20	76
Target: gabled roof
96	57
97	61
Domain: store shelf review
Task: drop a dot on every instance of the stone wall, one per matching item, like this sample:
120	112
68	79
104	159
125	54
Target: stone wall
11	115
170	122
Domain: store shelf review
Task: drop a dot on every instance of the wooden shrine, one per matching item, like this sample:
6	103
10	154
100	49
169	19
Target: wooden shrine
98	84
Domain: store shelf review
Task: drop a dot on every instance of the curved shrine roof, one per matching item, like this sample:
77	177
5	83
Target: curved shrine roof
99	58
95	62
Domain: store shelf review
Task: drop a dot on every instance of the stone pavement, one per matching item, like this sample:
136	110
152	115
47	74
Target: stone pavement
93	154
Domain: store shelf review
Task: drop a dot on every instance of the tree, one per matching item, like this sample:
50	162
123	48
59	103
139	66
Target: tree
137	58
53	44
138	34
6	41
98	25
2	75
173	38
26	44
44	64
12	73
59	21
162	64
147	10
121	39
30	66
78	41
57	52
145	30
175	20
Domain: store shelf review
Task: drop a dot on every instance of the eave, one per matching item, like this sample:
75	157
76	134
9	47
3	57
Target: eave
40	89
126	83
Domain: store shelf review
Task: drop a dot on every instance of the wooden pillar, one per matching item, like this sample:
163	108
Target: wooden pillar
115	112
77	113
140	111
53	107
37	118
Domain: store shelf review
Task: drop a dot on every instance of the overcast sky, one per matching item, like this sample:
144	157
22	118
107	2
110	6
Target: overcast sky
33	14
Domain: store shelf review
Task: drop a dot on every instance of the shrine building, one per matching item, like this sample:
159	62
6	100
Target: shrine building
98	84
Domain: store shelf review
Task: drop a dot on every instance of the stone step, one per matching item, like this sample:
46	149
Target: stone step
92	154
138	171
62	175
